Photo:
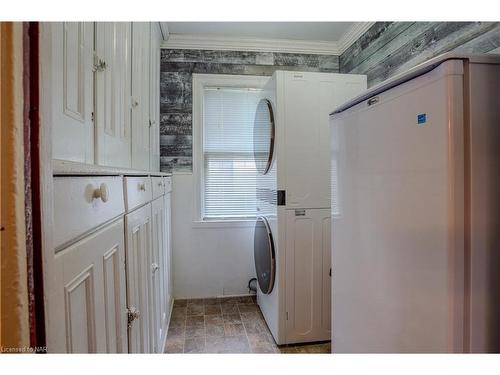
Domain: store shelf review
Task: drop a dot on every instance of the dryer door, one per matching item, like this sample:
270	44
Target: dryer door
263	136
264	255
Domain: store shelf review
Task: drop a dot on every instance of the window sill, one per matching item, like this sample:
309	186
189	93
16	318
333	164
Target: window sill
243	223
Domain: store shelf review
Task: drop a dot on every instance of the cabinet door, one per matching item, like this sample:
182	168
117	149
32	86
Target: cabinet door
138	261
169	279
307	273
141	40
158	274
154	98
92	292
112	93
72	97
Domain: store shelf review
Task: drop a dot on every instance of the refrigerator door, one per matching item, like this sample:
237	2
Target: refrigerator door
397	228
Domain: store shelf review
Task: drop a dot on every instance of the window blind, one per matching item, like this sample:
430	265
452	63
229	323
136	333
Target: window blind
229	179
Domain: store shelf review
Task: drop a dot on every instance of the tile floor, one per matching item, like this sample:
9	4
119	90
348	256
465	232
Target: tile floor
225	325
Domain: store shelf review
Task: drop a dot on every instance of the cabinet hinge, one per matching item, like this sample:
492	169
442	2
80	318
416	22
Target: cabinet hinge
287	315
92	117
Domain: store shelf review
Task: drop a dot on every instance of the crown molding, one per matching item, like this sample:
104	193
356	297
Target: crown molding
164	31
353	34
228	43
225	43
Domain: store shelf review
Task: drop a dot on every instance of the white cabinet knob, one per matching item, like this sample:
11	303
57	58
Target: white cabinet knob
160	184
142	187
155	267
102	192
132	314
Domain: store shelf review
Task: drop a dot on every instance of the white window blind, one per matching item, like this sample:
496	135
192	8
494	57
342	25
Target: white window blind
229	168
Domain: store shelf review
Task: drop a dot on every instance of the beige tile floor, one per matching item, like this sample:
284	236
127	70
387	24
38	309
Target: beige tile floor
225	325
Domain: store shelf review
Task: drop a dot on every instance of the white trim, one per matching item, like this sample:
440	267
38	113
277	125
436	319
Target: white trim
200	81
164	31
232	43
243	223
50	273
353	34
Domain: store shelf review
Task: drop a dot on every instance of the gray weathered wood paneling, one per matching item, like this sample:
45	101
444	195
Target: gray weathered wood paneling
176	102
388	48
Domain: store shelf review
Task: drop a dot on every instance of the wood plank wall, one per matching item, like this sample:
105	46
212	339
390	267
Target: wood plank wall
388	48
177	67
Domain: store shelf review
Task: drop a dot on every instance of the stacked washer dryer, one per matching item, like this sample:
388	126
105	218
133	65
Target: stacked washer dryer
292	230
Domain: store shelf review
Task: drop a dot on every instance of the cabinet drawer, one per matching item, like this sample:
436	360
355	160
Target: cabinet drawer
168	184
83	203
158	186
137	191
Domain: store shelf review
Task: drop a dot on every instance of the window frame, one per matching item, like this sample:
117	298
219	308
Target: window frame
199	83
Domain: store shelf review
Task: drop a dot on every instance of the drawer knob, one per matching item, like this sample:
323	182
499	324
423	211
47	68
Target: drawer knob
160	184
102	192
142	187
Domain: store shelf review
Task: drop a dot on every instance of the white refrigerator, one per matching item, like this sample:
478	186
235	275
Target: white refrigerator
416	212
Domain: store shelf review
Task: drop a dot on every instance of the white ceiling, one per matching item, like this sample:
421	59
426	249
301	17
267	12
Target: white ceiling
307	31
331	38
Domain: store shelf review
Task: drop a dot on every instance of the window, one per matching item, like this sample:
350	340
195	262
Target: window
226	168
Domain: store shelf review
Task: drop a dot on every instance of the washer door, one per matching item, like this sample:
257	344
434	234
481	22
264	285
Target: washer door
263	136
264	255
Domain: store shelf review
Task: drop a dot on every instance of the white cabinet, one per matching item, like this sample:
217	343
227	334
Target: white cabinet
101	93
105	85
308	261
112	264
141	41
159	273
138	257
91	291
154	98
112	93
72	47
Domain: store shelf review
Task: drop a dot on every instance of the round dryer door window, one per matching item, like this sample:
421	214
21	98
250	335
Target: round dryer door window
265	260
263	136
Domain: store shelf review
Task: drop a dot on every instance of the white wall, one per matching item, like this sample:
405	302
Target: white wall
207	261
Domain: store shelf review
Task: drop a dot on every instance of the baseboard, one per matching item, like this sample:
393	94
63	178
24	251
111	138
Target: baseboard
220	296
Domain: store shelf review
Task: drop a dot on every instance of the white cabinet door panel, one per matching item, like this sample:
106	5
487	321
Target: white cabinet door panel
154	99
141	40
72	96
138	259
159	273
112	94
169	278
92	292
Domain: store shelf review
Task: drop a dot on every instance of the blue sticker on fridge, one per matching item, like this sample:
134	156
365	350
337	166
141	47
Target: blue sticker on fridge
421	118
